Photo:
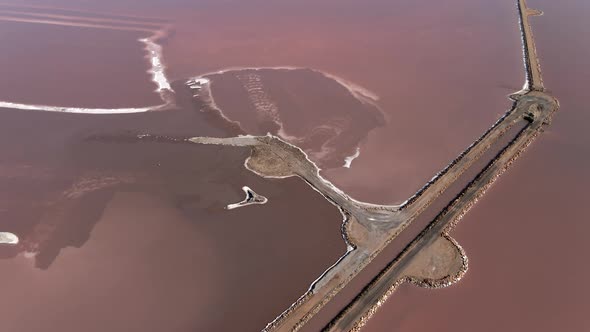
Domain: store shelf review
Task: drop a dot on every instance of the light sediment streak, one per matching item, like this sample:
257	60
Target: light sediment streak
357	91
78	24
82	110
81	12
157	67
153	49
61	17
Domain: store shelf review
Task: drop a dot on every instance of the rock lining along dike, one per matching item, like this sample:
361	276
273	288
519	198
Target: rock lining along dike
431	259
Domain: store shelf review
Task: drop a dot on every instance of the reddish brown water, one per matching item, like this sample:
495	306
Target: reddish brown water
132	235
411	232
306	107
442	71
527	238
442	78
70	66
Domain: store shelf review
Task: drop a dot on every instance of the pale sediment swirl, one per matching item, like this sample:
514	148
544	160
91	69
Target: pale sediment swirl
8	238
326	116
